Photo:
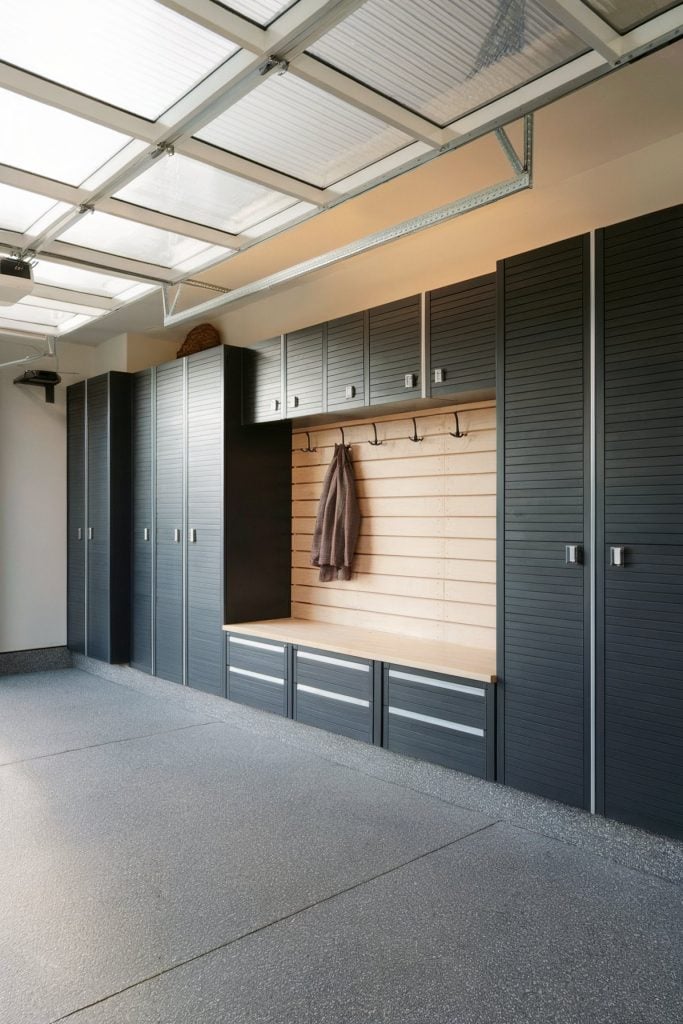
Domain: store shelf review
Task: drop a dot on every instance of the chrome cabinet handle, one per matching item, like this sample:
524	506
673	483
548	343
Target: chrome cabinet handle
176	536
79	533
617	556
192	536
145	533
91	533
573	554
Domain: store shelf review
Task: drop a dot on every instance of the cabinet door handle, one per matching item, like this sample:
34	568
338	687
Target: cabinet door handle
573	554
617	556
192	536
145	533
293	401
410	380
274	404
91	533
79	533
176	535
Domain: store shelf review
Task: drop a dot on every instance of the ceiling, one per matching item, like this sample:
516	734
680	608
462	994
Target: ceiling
159	142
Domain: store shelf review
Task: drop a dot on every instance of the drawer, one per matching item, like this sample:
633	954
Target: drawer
446	720
257	673
257	655
334	692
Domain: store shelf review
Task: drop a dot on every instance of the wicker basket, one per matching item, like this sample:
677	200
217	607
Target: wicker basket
200	337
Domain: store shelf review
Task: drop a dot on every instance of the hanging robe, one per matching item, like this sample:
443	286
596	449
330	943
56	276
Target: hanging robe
338	520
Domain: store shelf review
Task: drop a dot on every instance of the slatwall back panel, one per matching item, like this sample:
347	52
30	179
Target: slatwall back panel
345	361
462	330
169	517
98	518
643	511
75	412
395	345
542	359
425	561
262	382
142	550
205	475
304	357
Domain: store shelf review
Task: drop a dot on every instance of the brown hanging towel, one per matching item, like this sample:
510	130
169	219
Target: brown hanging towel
338	521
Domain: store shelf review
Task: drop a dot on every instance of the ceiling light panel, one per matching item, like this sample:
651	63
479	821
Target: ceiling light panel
624	15
133	54
109	234
291	126
52	143
20	209
260	11
206	195
61	275
444	58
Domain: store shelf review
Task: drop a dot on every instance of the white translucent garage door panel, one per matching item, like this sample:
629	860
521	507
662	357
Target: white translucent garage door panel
443	58
23	313
194	191
52	143
260	11
134	54
61	276
294	127
20	209
106	233
626	14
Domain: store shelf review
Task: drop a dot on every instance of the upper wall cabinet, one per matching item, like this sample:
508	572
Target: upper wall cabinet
346	358
262	382
395	351
461	320
304	366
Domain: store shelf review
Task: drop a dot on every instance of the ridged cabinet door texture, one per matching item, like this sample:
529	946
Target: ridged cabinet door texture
395	351
262	382
205	489
170	521
76	532
641	633
542	367
462	334
142	539
98	521
304	361
346	348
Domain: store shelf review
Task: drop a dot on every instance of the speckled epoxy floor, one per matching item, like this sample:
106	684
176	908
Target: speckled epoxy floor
170	858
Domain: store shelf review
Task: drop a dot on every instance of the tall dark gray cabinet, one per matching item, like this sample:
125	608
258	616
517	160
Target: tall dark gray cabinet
98	517
210	517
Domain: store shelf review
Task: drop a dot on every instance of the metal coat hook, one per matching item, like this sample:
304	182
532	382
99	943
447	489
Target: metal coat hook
415	437
376	441
341	430
308	443
458	431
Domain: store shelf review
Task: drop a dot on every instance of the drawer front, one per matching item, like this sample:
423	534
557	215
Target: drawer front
257	655
334	692
257	673
436	718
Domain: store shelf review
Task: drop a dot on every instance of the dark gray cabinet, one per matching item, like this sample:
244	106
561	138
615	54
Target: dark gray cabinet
142	522
543	458
461	321
395	347
640	522
98	517
347	344
305	371
258	673
334	692
262	381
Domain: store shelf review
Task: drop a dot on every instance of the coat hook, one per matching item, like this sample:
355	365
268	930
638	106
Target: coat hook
375	442
458	431
415	437
341	429
308	445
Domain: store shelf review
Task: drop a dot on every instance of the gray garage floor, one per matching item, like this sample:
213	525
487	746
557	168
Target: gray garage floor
169	858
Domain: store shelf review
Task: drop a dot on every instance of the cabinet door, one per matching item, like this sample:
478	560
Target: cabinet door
542	362
262	382
462	332
394	340
169	590
641	639
98	524
205	419
76	527
304	360
142	540
346	346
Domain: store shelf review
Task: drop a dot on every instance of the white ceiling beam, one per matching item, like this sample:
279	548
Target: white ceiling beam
361	96
93	259
587	25
73	297
664	28
166	222
223	22
304	23
35	183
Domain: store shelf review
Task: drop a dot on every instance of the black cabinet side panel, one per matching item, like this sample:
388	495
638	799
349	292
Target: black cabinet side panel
169	431
205	387
142	550
462	330
98	519
642	630
262	386
345	362
543	349
304	356
120	516
395	343
76	532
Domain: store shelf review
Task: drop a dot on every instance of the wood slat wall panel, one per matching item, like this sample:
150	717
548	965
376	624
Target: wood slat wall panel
425	561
